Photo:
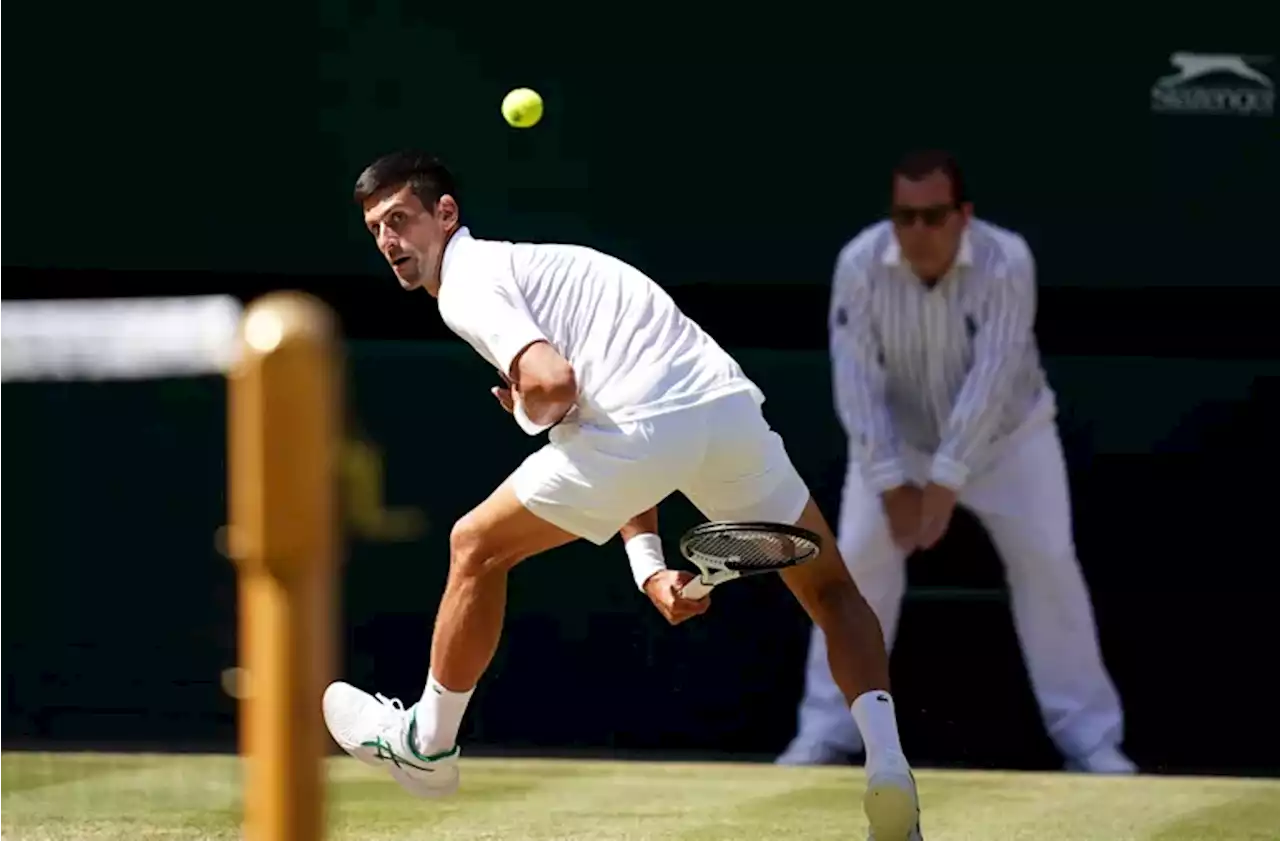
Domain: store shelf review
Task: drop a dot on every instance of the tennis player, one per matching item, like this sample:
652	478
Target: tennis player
639	402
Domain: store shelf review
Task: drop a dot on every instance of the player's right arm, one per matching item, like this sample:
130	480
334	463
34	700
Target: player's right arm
643	546
859	376
661	585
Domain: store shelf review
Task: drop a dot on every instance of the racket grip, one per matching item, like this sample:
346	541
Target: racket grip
695	590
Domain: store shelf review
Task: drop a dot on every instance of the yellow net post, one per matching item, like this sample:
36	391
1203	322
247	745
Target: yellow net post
285	436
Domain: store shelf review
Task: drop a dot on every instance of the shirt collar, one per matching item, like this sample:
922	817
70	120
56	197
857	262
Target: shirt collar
965	256
450	249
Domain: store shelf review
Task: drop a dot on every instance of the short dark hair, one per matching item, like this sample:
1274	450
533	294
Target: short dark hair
426	176
918	163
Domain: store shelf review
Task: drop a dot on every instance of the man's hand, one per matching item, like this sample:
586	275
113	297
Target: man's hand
937	504
504	397
902	506
663	589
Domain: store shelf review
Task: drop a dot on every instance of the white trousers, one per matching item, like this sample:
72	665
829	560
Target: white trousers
1023	501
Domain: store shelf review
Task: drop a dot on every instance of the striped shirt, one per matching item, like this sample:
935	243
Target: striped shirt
946	371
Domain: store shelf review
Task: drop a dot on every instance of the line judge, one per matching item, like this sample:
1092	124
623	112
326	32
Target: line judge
940	389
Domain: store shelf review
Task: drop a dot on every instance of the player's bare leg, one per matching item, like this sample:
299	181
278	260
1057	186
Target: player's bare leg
483	547
418	745
860	666
825	590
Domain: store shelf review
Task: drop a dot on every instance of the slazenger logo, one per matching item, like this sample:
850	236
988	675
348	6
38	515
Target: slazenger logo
1237	87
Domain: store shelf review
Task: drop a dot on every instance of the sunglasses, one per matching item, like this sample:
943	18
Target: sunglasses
932	216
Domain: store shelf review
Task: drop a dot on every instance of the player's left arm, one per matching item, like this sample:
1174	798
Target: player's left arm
491	314
544	383
1005	332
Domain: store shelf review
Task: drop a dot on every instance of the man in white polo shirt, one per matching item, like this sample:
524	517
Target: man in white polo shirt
940	389
640	402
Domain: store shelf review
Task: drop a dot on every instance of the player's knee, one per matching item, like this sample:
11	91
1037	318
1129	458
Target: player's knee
473	552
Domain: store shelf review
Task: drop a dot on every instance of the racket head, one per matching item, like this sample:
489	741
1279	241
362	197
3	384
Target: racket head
749	548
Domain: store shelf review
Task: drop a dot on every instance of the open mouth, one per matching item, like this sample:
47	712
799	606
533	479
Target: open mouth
401	260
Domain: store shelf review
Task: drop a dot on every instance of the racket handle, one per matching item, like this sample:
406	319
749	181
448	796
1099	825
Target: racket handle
695	590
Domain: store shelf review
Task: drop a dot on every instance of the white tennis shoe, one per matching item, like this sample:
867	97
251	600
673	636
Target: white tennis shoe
379	731
893	807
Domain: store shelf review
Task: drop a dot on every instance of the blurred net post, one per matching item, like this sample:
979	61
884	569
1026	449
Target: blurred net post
284	438
111	400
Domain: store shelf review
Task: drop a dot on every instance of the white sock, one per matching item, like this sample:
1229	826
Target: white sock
874	713
438	717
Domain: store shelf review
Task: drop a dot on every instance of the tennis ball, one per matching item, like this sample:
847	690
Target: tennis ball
522	107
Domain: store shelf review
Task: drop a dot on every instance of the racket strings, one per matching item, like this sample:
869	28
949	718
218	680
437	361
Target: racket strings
752	549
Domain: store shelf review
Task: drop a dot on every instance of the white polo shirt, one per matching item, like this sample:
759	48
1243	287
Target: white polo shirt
634	353
948	371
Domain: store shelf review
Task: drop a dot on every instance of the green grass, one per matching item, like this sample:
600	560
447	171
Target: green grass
136	797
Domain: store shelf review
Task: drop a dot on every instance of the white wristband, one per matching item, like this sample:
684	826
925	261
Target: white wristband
645	553
524	422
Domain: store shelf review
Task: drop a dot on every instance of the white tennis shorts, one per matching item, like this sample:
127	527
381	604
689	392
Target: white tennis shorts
590	479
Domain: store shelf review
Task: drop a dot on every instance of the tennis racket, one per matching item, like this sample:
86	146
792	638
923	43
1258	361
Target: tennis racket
725	551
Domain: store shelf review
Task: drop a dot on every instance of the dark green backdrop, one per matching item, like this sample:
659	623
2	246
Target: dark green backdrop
737	150
119	611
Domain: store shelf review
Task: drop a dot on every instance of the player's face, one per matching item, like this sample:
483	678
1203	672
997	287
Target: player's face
411	237
928	223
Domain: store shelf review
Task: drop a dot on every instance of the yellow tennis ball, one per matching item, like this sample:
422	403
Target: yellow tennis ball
522	107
